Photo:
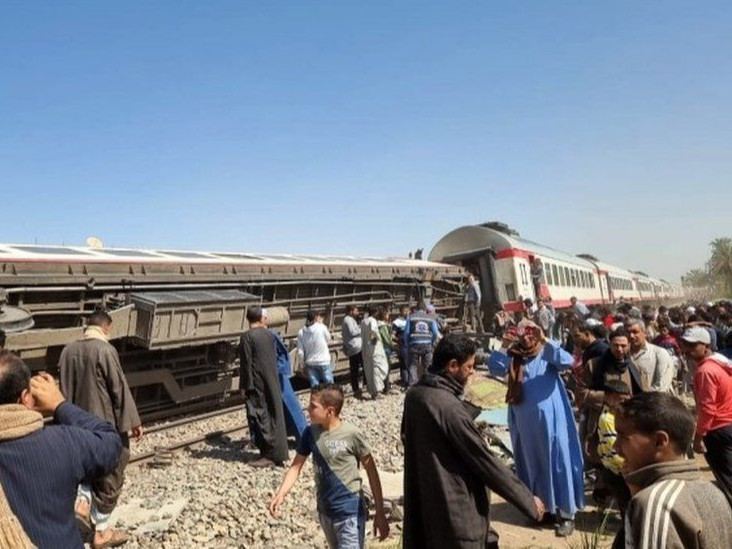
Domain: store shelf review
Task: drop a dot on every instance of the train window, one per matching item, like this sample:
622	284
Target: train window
562	276
283	257
58	250
522	270
189	255
510	292
556	275
239	256
128	253
548	272
344	259
573	275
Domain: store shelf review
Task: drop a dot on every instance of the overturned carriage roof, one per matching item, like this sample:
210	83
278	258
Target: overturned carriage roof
30	252
23	264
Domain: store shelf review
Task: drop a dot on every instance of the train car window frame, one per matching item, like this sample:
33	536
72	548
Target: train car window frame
548	274
556	274
128	253
51	250
510	292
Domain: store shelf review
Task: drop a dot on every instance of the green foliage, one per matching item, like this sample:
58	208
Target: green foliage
716	276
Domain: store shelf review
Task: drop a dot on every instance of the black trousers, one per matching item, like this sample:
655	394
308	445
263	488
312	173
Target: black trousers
615	484
719	457
355	368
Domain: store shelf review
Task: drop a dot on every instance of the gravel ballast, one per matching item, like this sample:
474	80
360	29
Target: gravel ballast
228	499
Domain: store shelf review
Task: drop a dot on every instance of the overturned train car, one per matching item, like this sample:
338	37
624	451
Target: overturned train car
178	315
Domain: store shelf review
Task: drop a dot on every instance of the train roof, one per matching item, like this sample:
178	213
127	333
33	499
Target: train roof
474	238
80	254
478	237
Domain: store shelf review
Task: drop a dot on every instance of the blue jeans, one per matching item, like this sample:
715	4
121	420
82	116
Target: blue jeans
319	373
420	358
347	533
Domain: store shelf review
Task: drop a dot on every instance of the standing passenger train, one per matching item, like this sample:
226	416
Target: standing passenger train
502	262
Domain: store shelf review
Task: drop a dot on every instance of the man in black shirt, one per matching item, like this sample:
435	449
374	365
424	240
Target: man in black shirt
260	385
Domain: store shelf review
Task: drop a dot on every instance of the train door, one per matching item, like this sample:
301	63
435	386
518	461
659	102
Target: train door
541	290
610	292
602	281
482	265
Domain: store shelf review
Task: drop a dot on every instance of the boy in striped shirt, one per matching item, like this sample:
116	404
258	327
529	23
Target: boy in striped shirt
672	505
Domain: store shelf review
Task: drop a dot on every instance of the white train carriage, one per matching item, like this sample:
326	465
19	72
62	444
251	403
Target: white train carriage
501	259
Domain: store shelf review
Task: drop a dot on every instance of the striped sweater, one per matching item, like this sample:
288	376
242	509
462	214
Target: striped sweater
675	508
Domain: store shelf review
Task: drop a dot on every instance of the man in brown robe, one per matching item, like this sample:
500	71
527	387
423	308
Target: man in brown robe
260	385
92	378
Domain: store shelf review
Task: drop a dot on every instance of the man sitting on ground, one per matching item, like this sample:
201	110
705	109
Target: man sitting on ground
41	467
672	505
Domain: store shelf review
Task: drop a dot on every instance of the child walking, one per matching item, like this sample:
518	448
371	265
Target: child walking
337	448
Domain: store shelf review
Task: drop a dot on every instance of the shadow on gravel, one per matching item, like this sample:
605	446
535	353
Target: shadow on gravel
224	449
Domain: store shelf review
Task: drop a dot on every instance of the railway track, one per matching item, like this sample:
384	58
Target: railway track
162	455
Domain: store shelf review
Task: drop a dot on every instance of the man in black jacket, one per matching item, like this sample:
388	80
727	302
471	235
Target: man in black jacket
447	465
591	336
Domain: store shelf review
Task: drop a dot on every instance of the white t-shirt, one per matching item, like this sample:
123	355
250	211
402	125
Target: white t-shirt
312	344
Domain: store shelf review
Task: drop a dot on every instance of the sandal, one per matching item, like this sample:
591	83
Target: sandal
83	519
116	538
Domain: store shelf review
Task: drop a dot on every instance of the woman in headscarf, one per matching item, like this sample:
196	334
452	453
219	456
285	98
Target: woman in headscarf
544	436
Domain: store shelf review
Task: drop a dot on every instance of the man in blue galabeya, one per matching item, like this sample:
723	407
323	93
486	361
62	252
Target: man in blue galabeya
540	419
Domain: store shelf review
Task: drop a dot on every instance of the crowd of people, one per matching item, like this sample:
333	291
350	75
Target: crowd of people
592	396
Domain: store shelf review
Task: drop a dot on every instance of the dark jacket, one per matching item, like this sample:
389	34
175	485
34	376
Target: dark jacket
40	473
92	378
594	350
448	469
675	508
599	371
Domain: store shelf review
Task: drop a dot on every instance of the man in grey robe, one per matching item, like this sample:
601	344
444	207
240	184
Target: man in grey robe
260	385
91	377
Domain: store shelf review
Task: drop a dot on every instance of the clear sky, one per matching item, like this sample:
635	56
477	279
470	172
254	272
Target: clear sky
369	127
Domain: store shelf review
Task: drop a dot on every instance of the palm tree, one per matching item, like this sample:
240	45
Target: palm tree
720	264
697	278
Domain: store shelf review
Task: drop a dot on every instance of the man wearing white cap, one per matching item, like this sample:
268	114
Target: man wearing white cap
713	393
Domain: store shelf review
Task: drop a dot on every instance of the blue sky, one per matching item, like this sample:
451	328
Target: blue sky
368	127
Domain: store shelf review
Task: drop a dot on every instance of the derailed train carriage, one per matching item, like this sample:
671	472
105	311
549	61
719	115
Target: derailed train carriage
178	315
